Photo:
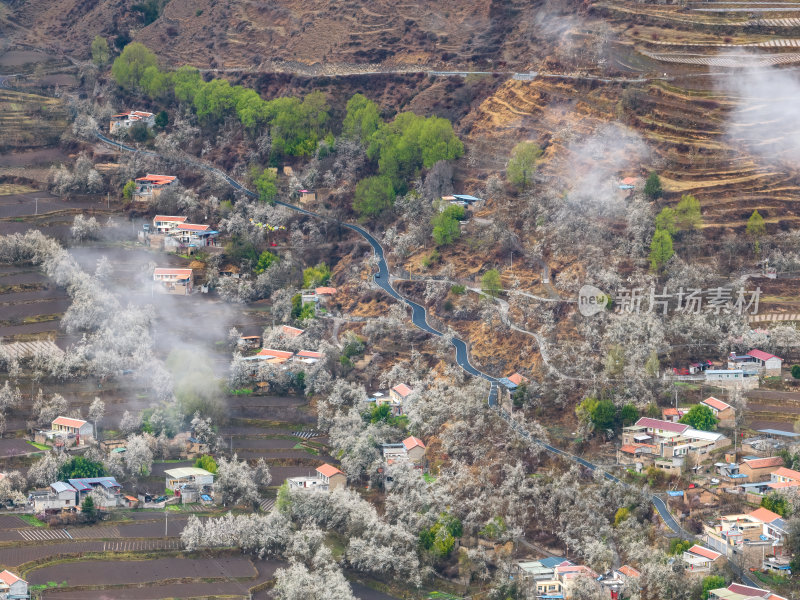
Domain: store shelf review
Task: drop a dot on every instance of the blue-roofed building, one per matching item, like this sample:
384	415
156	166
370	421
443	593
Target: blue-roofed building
58	496
109	491
551	562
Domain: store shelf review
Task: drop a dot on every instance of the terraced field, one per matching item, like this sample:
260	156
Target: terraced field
30	120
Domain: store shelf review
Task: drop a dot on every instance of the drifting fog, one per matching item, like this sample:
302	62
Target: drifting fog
766	116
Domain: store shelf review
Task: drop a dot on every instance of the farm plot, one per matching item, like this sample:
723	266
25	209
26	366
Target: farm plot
18	555
265	570
14	447
110	572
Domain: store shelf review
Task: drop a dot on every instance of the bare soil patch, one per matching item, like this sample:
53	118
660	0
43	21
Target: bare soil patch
109	572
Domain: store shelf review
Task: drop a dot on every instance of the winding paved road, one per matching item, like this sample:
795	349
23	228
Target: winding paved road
419	318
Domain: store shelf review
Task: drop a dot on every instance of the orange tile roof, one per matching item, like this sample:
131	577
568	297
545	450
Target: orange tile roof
168	271
170	219
68	422
402	389
131	498
192	227
291	331
157	179
328	470
760	463
412	442
704	552
780	485
629	571
628	448
517	379
326	291
630	180
309	354
789	473
275	353
715	403
764	515
9	578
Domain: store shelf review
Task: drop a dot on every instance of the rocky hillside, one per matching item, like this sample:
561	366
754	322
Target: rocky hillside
250	33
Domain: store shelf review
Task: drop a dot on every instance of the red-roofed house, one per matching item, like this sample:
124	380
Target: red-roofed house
415	448
674	414
325	291
723	411
166	223
757	468
309	356
628	571
517	379
770	363
307	196
291	332
661	428
327	479
784	475
77	427
764	515
150	186
126	120
400	392
174	281
270	353
13	587
700	558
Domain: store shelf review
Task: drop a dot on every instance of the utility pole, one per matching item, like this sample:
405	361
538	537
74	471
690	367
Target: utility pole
165	519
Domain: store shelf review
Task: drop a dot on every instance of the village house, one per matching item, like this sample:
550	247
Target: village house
109	446
273	356
400	392
250	342
756	469
109	492
411	449
194	448
13	587
568	572
672	441
308	357
150	186
175	478
737	591
699	559
782	478
747	538
674	415
174	281
82	430
722	411
58	496
307	197
638	455
756	361
166	224
324	294
615	580
192	234
543	569
327	478
291	332
540	575
769	363
126	120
